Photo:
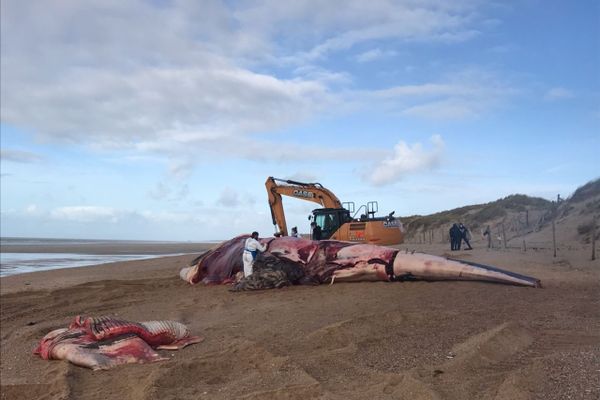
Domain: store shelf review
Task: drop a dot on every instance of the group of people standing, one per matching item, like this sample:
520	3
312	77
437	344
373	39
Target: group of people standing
458	234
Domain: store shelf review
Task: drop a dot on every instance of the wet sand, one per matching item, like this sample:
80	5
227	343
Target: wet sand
412	340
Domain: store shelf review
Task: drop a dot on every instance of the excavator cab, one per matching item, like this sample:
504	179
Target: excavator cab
330	220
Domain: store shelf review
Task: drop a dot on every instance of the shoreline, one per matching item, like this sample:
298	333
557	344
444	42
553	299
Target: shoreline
155	267
88	254
165	253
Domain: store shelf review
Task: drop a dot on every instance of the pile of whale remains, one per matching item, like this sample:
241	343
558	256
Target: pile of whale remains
105	342
291	260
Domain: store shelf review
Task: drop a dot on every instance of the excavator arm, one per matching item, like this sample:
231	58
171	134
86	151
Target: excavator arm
314	192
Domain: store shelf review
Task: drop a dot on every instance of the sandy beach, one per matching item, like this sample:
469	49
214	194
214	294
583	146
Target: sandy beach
413	340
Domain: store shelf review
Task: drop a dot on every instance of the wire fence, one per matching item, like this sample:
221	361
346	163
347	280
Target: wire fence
511	234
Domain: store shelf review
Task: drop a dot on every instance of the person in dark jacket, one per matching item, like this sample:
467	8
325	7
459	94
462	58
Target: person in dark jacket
454	238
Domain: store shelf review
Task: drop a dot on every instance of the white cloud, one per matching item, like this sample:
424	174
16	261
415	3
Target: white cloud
119	81
262	150
86	214
169	217
406	159
446	109
20	156
101	215
374	54
228	198
114	108
465	94
160	191
429	89
170	190
359	22
558	93
301	176
181	167
103	75
322	75
232	147
32	209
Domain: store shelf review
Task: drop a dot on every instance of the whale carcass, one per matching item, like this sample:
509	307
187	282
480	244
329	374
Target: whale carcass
329	261
105	342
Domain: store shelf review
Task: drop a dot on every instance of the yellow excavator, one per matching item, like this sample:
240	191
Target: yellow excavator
334	219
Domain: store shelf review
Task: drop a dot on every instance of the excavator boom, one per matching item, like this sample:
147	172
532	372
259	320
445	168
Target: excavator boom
314	192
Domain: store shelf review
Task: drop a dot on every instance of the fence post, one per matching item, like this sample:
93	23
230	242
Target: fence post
554	237
524	246
489	236
594	238
503	235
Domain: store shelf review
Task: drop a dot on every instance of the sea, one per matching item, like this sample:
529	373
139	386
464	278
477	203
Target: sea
29	259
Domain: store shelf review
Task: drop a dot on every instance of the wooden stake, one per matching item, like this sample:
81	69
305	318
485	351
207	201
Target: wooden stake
594	239
503	235
554	237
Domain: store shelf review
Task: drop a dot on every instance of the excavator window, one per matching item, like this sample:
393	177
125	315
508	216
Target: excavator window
329	223
320	220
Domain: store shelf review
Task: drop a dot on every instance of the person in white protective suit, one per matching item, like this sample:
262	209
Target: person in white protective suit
251	248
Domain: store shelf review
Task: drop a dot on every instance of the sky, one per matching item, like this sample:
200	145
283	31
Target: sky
161	120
